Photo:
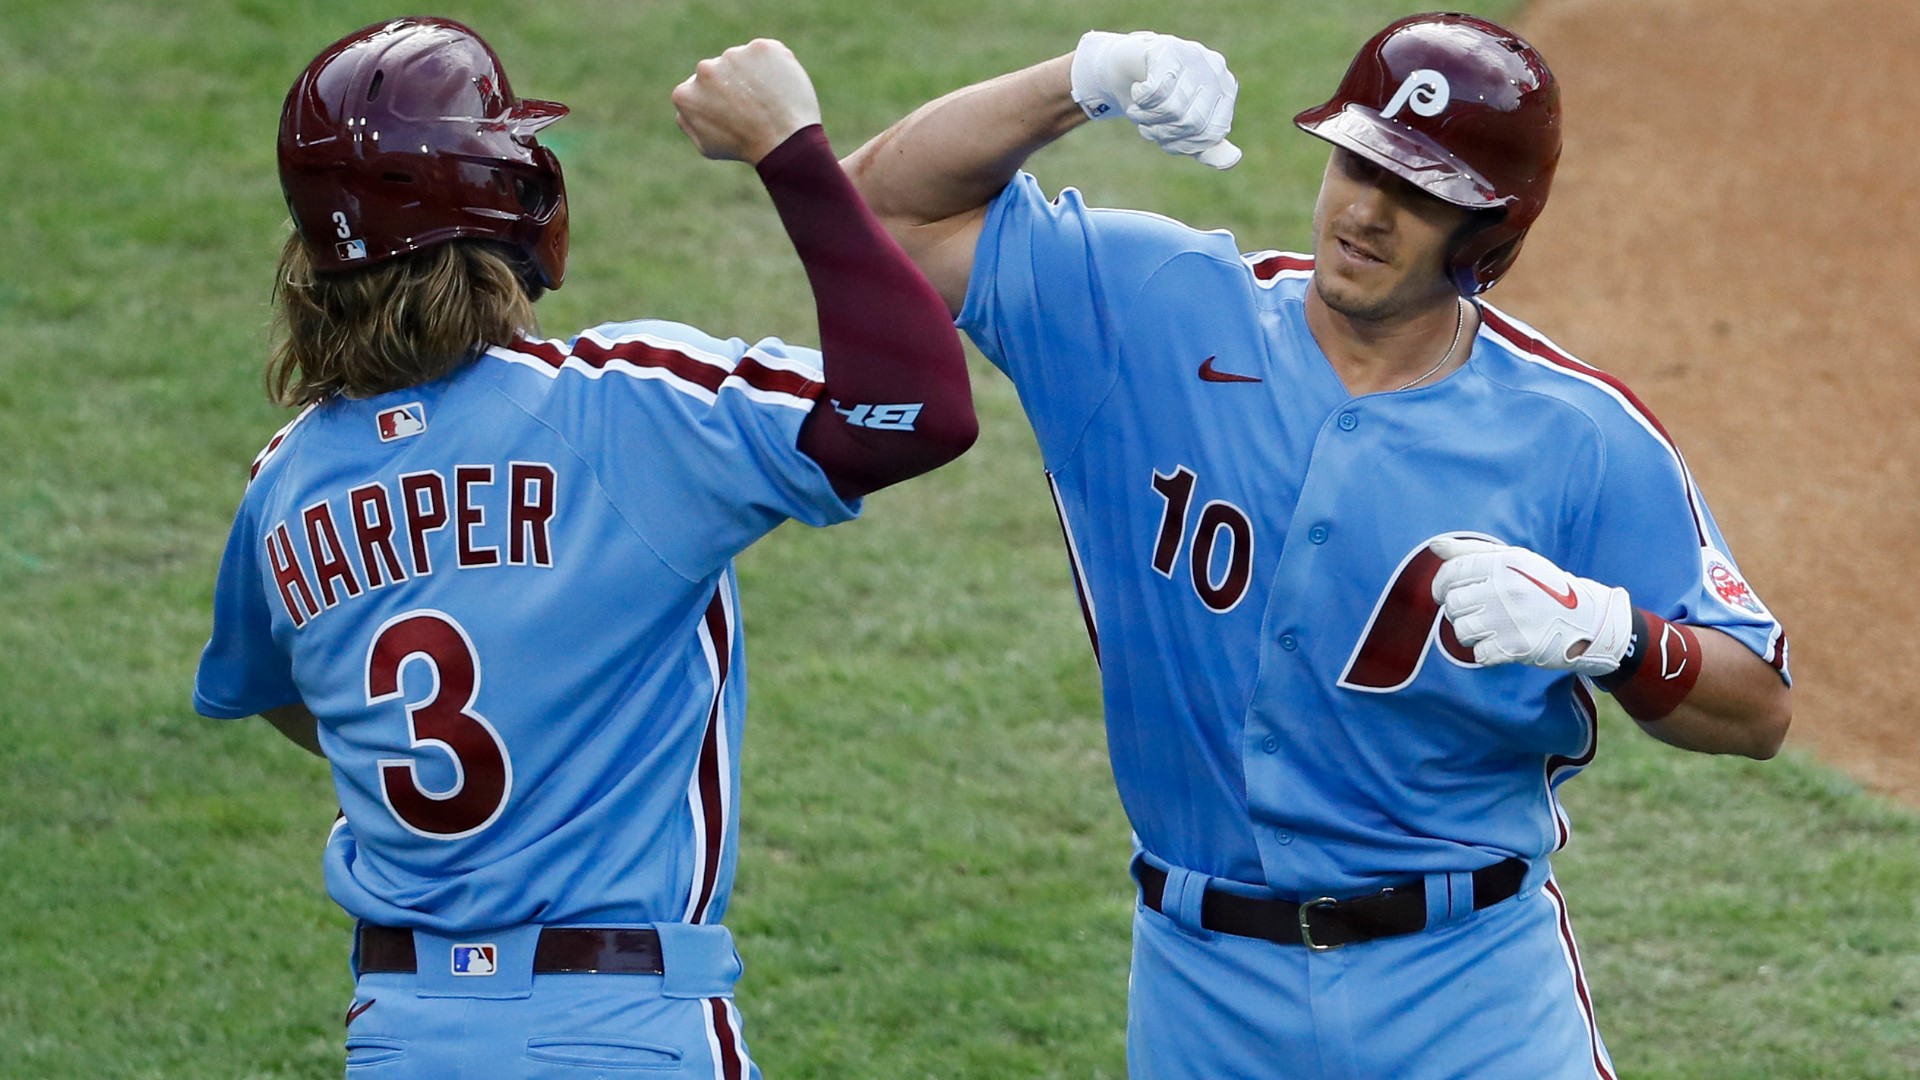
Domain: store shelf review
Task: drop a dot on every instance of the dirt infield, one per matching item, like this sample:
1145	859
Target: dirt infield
1733	231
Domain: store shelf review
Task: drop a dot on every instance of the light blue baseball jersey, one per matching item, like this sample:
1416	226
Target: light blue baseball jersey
507	595
1284	704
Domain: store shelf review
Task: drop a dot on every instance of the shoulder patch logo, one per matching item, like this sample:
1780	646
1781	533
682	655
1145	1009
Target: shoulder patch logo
1727	584
1426	91
402	421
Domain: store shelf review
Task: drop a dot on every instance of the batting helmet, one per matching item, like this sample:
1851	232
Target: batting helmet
406	134
1462	109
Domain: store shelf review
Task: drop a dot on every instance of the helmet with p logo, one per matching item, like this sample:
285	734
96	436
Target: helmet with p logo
1462	109
406	134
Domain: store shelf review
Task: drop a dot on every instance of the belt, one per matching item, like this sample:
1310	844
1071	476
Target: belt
562	950
1327	923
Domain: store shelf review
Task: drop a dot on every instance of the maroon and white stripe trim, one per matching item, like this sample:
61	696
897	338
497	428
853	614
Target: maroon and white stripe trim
1534	347
760	375
1602	1062
1272	267
1079	575
1777	648
1561	768
273	445
724	1041
709	791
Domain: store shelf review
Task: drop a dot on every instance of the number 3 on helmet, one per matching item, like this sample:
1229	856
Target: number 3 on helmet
1466	111
405	135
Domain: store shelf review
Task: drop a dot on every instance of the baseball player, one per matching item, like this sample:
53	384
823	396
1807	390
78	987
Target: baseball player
1354	547
488	576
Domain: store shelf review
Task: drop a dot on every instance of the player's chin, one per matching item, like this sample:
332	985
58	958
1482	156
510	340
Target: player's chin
1355	299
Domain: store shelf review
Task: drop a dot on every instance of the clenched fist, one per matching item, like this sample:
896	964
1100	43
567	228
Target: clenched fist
740	105
1511	605
1178	93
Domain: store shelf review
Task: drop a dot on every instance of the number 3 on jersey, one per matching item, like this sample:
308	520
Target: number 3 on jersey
1220	571
442	722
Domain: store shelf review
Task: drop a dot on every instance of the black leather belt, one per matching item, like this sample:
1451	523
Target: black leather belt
562	950
1327	923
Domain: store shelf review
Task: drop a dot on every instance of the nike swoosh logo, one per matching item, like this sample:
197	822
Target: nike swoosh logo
358	1008
1567	600
1208	373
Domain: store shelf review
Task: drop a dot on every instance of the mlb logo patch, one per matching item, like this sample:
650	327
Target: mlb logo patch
402	421
352	249
475	959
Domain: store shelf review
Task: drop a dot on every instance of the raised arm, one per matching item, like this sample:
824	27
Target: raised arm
897	400
930	176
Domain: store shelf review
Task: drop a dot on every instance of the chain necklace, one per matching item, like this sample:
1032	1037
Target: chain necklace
1459	324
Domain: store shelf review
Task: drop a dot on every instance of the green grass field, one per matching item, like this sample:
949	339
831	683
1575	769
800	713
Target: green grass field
933	860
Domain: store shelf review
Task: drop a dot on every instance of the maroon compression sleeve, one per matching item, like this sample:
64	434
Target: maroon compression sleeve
898	401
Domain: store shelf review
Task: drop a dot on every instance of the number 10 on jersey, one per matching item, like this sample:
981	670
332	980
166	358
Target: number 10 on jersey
1220	557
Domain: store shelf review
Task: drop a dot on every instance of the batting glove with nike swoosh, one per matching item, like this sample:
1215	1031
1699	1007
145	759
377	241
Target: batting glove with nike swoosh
1179	93
1512	606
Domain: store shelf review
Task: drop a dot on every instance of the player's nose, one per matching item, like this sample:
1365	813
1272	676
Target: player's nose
1371	206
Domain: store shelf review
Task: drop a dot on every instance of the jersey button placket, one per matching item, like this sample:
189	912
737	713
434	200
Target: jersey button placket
1317	534
1270	744
1348	421
1289	642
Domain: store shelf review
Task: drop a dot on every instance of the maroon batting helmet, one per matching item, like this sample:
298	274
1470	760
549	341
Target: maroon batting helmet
406	134
1466	111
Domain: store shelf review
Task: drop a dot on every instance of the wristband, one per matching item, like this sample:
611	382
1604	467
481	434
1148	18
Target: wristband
1661	664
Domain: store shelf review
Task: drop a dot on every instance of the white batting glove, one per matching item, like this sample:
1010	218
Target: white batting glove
1512	606
1179	93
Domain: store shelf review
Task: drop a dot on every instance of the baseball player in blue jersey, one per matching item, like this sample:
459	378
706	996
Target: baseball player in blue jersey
488	576
1355	549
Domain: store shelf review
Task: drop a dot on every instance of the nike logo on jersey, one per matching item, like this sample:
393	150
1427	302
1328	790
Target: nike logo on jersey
1208	373
1566	600
358	1008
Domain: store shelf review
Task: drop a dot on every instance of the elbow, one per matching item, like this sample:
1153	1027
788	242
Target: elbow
960	434
1770	726
941	443
950	426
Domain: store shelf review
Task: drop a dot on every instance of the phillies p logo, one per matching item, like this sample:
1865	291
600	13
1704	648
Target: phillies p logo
1425	91
1406	622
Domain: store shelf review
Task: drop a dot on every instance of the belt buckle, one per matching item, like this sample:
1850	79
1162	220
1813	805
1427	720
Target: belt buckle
1306	931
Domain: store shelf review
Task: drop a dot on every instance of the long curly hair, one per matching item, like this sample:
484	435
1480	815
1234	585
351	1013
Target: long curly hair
395	324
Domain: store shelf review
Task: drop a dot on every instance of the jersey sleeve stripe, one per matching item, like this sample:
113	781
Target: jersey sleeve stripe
1543	352
693	371
273	445
1777	649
